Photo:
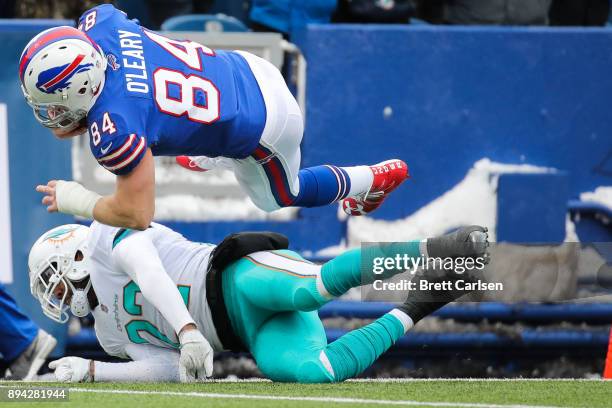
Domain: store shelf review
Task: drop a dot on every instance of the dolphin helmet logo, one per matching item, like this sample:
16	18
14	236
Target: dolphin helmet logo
61	234
58	78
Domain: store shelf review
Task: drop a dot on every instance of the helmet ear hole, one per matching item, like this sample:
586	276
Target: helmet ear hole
82	91
78	256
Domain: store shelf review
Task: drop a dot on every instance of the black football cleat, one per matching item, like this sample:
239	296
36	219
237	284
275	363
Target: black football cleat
467	242
436	286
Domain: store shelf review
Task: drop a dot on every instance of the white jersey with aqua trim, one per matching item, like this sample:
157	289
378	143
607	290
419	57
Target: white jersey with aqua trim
124	316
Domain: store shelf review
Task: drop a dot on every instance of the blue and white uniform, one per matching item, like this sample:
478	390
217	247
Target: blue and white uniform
175	97
182	98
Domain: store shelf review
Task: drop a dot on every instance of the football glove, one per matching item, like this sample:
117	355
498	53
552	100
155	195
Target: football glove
196	361
71	369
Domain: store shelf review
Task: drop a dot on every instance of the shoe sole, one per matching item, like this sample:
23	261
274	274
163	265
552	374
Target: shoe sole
41	356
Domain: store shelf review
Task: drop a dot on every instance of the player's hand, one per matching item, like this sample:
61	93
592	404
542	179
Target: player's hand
50	198
196	361
71	369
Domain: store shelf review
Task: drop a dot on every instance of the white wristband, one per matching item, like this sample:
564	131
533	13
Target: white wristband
73	198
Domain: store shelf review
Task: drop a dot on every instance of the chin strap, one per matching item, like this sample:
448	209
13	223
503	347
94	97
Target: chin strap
79	304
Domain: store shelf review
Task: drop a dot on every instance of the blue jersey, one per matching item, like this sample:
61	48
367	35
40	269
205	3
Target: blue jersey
175	97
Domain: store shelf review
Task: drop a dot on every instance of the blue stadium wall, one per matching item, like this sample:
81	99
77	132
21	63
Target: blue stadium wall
456	95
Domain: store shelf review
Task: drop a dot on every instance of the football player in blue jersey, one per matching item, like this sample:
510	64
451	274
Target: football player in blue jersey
140	94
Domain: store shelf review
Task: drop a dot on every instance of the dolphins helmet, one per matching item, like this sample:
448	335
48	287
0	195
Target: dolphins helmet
60	257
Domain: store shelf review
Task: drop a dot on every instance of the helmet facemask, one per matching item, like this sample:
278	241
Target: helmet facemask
56	116
49	280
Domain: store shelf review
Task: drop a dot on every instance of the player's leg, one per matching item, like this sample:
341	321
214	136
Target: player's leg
17	331
275	281
284	281
271	176
24	347
352	353
264	284
292	347
288	346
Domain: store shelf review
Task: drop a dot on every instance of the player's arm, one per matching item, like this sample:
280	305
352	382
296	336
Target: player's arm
124	154
136	254
132	205
150	364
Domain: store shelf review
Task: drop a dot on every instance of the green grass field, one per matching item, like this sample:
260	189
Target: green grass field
434	393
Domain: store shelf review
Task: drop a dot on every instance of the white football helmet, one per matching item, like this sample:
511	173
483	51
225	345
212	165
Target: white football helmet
62	73
60	257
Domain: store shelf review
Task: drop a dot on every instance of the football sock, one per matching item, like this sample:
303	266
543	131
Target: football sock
419	308
352	353
322	185
420	303
354	267
361	179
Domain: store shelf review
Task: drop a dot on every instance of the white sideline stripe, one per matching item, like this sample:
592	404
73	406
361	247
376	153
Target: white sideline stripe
338	400
441	379
390	380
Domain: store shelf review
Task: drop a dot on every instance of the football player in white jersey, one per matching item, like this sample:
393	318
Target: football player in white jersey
84	268
167	303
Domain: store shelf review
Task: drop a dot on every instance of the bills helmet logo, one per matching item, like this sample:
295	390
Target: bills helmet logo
58	78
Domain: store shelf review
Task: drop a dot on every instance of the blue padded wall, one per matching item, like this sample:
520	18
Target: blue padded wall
531	207
458	94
